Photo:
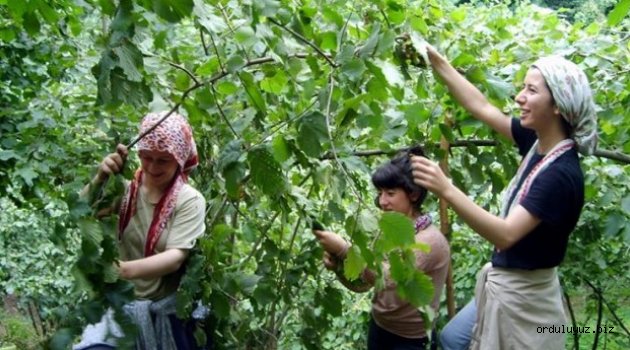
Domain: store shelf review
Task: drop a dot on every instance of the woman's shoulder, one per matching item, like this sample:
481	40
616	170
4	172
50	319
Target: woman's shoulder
433	237
189	194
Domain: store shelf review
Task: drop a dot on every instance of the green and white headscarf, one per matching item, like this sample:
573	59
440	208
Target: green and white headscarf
572	94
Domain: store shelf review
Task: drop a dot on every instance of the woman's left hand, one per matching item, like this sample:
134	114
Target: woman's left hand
429	175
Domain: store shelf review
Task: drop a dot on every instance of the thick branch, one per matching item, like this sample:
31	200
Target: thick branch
304	40
614	155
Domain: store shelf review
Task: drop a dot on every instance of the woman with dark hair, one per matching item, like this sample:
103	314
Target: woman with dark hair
395	324
519	292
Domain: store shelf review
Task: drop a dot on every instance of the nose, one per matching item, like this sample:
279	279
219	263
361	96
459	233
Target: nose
382	200
520	98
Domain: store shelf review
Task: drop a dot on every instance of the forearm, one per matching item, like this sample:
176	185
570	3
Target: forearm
153	266
470	97
96	182
462	90
359	285
491	227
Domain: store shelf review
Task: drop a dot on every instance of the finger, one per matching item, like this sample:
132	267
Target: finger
122	150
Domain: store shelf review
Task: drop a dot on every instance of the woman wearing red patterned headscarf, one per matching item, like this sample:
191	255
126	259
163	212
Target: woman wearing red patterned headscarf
161	217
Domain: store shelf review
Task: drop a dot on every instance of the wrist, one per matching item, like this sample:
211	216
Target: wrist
341	254
450	192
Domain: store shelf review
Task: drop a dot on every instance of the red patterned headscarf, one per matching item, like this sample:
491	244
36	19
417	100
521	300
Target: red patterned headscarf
174	136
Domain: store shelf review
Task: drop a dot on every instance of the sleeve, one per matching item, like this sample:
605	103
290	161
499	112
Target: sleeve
427	261
524	138
547	198
188	222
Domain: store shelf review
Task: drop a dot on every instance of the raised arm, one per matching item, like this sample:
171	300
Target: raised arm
469	96
335	250
112	164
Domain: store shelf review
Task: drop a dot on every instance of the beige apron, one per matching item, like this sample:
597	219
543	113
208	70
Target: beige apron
514	305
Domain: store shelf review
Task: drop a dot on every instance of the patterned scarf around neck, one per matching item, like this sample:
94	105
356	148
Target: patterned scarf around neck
559	149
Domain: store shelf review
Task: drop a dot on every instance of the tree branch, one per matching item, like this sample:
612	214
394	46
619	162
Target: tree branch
203	42
192	76
614	155
576	337
304	40
225	119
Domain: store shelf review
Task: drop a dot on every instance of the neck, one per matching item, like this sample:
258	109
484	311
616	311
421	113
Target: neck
153	194
548	138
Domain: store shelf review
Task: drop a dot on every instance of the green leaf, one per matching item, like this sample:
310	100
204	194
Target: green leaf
255	97
353	264
398	230
235	63
208	68
266	172
459	14
247	282
130	60
447	132
170	10
369	47
614	224
391	73
625	204
246	36
274	84
213	23
353	69
62	339
91	231
312	132
418	290
331	300
8	154
264	293
28	174
280	149
619	12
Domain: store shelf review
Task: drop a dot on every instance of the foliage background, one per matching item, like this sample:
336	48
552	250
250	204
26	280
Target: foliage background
288	99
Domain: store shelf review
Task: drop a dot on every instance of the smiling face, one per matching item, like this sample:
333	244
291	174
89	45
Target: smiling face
158	168
536	102
396	199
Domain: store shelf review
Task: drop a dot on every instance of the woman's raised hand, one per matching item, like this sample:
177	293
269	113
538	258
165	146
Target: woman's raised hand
429	175
332	243
113	163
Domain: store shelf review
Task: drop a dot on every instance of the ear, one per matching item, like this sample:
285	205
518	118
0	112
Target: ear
413	196
556	110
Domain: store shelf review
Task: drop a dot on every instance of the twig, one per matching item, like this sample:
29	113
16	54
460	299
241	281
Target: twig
345	27
389	25
600	308
216	52
276	127
216	215
609	308
192	76
225	119
576	336
304	40
203	41
331	80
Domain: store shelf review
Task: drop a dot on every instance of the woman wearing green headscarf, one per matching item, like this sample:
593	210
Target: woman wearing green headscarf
518	301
